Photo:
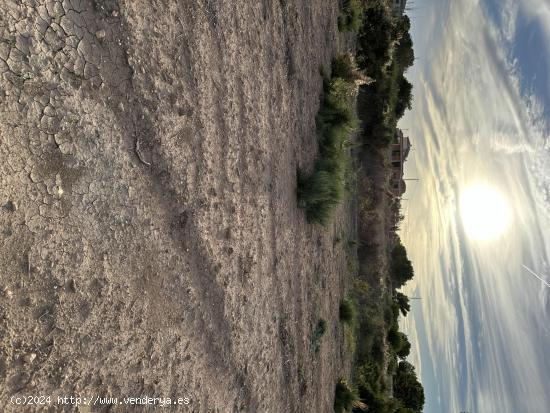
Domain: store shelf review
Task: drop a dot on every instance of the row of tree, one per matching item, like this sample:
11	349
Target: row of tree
385	53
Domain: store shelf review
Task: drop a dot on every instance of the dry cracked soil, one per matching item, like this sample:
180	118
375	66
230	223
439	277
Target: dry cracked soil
150	238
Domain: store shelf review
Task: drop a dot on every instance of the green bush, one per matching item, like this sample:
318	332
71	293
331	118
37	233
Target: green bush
347	311
321	192
351	16
319	332
321	328
361	287
346	397
345	67
350	338
342	66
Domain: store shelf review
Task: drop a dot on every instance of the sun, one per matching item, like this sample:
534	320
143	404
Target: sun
485	212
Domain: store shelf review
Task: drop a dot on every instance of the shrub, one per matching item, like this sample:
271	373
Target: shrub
350	338
319	332
319	194
321	328
345	67
337	112
368	376
324	189
361	287
353	265
351	16
346	397
347	311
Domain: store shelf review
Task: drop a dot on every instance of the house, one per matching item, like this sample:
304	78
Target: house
399	6
400	149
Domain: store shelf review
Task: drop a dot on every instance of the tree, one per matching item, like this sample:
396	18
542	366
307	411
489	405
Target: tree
400	266
399	342
402	409
407	388
374	40
403	302
404	53
405	348
404	97
402	25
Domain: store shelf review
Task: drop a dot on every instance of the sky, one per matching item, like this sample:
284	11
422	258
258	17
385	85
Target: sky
481	114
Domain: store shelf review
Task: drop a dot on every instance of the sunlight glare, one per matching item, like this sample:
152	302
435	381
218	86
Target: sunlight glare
484	211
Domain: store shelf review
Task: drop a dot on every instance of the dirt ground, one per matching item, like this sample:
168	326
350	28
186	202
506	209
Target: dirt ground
150	238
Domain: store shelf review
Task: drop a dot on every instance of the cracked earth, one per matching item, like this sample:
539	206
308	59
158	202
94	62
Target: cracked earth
150	239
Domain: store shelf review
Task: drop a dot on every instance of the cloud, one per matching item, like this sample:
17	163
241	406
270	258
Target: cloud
482	323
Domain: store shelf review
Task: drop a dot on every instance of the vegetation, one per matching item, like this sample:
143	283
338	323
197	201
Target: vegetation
347	311
346	398
381	349
345	67
400	266
407	387
351	16
320	192
319	332
374	40
321	328
403	303
384	52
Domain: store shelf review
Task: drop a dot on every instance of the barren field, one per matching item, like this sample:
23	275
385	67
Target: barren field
151	242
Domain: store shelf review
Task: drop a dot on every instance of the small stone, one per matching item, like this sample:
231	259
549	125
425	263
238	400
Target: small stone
29	358
10	206
100	34
71	286
8	293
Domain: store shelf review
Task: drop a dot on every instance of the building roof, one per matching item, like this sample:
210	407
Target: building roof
406	147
